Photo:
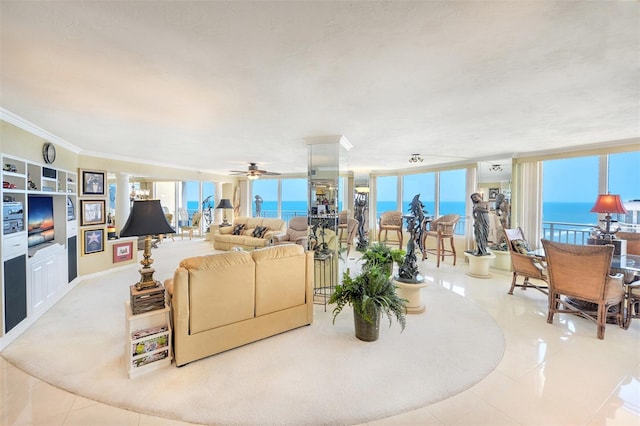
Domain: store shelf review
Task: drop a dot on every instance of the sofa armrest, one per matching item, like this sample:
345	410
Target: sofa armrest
279	238
223	230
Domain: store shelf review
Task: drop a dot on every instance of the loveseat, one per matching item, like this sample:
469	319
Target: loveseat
248	233
225	300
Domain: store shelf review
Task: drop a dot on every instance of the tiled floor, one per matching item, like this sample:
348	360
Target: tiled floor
558	374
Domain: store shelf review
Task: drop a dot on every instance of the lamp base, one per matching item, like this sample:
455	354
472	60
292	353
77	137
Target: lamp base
146	279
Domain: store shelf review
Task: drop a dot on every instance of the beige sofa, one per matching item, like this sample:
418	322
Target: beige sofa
224	239
225	300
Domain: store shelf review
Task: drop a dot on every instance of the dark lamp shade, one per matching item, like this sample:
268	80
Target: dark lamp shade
146	218
608	203
224	204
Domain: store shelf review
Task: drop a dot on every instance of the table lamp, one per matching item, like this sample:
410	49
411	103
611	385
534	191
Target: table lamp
224	204
146	219
607	204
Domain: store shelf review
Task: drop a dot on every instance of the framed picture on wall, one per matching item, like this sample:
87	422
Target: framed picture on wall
122	252
93	182
493	193
92	212
92	241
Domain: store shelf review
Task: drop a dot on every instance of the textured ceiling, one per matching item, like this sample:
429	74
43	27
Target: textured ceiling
213	85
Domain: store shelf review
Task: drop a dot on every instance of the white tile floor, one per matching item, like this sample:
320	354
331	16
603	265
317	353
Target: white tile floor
558	374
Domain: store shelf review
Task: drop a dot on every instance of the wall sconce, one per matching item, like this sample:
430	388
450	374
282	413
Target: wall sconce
415	158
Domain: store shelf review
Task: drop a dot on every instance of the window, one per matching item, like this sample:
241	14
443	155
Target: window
386	194
624	179
453	195
294	198
423	184
265	192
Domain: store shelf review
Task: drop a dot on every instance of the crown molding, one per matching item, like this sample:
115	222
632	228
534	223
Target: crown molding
23	124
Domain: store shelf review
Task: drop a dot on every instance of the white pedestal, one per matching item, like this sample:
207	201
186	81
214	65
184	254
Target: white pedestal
413	293
502	261
479	265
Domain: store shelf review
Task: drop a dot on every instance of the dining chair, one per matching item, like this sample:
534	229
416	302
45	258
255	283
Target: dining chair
195	226
441	229
525	264
631	279
578	274
390	221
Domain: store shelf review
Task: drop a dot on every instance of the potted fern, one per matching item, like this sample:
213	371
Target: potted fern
371	294
383	255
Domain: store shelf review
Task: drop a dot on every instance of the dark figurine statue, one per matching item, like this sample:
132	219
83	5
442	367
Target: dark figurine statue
408	271
480	225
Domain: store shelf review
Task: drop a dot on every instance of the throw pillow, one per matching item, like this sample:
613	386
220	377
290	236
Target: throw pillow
521	246
260	231
237	230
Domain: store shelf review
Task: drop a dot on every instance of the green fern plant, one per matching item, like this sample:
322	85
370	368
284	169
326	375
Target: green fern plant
382	255
371	293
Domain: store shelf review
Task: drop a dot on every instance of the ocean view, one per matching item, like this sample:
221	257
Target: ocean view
577	213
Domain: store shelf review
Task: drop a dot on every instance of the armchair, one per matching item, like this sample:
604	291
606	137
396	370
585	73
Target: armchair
631	280
391	221
582	273
297	232
352	230
441	229
523	263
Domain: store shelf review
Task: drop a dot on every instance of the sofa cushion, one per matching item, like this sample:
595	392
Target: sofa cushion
254	222
280	278
238	228
273	224
221	289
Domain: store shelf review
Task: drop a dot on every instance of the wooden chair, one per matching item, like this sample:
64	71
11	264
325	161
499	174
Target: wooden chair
631	280
524	264
390	221
195	226
441	229
582	273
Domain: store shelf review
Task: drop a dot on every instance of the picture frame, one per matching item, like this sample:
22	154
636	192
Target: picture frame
92	241
493	193
93	212
122	251
93	182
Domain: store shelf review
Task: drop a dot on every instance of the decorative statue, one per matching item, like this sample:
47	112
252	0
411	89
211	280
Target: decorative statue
408	271
503	211
480	224
361	203
258	205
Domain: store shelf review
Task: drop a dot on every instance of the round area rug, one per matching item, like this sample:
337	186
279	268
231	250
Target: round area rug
319	374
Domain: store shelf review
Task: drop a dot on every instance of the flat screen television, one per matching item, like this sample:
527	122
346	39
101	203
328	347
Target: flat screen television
40	219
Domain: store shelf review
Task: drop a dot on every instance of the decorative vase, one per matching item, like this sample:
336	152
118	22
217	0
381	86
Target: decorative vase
366	331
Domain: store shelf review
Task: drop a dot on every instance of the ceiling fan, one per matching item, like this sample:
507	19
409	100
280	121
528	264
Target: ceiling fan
253	172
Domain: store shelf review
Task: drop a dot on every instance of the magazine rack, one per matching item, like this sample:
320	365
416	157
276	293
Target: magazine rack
148	340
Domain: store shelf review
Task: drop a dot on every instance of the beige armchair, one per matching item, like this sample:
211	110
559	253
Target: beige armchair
441	229
631	279
390	221
297	232
524	264
581	274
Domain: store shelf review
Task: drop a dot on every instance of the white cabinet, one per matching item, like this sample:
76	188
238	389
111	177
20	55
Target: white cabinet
47	277
147	341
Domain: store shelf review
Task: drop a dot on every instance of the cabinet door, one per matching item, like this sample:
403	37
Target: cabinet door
15	291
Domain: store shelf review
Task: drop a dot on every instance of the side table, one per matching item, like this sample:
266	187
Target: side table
147	340
324	283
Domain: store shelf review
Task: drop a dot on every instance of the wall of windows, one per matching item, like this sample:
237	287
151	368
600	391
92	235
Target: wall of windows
423	184
386	196
453	196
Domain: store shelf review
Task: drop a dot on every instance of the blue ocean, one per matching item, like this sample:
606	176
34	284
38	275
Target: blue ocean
573	213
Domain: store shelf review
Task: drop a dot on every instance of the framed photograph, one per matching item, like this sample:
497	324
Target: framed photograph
92	212
493	193
122	251
92	241
93	182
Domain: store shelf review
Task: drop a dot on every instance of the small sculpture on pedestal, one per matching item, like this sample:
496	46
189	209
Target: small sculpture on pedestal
362	204
480	225
408	271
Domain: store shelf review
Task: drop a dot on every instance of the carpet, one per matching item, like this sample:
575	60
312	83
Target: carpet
319	374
